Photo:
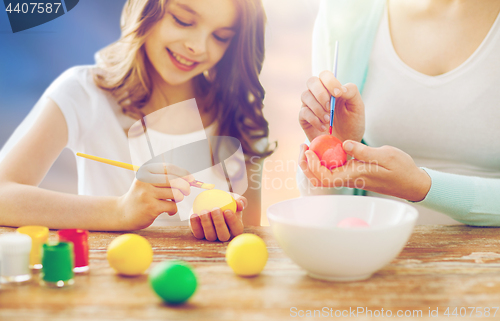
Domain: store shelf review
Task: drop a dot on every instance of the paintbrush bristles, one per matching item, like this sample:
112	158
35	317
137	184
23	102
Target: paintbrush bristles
207	186
201	185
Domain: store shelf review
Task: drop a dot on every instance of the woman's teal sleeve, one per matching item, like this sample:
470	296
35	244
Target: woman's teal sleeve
467	199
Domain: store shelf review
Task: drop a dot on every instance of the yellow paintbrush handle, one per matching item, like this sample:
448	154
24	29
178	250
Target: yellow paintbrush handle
136	168
110	162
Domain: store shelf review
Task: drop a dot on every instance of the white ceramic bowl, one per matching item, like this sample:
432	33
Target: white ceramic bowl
306	229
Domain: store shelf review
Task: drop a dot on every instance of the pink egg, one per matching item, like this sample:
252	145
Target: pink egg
352	222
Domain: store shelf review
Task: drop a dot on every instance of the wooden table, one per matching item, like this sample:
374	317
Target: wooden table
441	266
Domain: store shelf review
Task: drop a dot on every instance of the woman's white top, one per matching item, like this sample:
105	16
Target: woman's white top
97	126
448	123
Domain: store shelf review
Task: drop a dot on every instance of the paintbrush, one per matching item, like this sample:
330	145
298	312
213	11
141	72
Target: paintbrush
135	168
332	98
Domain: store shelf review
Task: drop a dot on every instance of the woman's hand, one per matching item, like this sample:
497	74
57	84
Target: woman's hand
216	225
385	170
349	115
156	190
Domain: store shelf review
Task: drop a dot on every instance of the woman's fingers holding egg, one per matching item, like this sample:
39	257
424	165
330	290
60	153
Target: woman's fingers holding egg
383	156
352	174
302	157
304	165
322	176
313	167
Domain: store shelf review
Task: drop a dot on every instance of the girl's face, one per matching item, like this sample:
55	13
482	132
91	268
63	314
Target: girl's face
191	38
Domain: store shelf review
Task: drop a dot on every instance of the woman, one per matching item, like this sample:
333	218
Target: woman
428	72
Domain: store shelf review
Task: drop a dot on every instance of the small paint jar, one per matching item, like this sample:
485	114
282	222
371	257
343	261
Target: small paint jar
15	258
57	261
80	240
39	235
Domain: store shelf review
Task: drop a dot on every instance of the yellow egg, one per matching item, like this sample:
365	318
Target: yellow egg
130	254
246	254
208	200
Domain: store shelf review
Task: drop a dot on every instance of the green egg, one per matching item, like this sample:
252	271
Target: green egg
173	281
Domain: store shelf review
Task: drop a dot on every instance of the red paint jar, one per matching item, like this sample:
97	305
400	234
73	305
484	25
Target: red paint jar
80	241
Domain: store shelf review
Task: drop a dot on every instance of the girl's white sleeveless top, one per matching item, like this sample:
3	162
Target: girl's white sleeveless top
97	126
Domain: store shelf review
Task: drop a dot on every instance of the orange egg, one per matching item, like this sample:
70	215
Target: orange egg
329	150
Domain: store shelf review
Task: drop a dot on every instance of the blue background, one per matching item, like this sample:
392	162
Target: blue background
31	59
25	15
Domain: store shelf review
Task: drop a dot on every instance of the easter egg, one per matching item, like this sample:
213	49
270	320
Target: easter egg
174	281
352	222
247	254
208	200
130	254
329	151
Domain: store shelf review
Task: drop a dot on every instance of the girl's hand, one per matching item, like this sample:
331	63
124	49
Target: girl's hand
217	225
156	190
314	115
385	170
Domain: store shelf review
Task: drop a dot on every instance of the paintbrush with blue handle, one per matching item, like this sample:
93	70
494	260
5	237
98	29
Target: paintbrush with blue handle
332	98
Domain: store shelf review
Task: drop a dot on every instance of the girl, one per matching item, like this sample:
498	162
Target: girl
169	52
431	98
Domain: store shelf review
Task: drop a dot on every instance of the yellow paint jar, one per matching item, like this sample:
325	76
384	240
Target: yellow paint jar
39	235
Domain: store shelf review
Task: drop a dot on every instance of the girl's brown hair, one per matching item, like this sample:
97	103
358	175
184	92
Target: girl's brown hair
234	90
